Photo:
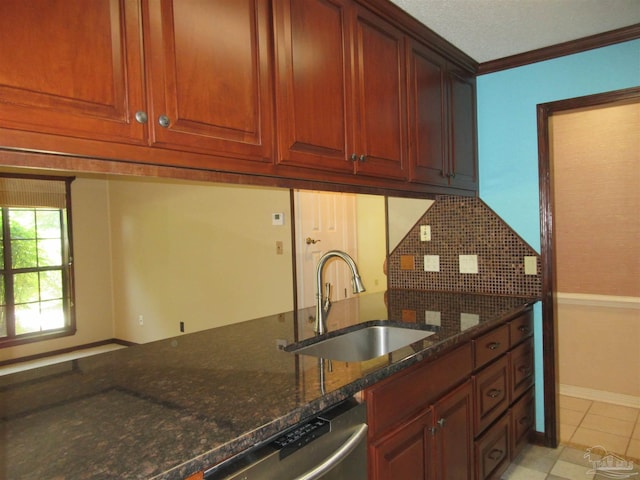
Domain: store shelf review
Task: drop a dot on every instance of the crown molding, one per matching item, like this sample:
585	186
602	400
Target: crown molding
619	35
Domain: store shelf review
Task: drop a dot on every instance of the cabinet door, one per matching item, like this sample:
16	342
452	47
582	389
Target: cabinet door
380	95
428	133
453	417
72	70
209	76
403	454
464	164
313	80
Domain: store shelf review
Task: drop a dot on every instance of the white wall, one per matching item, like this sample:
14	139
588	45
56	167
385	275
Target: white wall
197	253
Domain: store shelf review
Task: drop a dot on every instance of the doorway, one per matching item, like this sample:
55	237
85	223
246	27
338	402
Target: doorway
549	252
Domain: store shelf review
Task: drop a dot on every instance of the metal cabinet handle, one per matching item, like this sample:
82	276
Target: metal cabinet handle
363	158
354	157
311	241
495	454
524	420
441	422
493	345
524	329
164	121
336	457
494	393
141	117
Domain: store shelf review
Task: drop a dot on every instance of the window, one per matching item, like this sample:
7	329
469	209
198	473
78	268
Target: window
36	295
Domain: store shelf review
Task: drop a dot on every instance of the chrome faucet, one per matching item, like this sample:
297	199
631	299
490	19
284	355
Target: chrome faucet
323	306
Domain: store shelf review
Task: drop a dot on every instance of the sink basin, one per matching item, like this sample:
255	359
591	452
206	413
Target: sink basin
363	344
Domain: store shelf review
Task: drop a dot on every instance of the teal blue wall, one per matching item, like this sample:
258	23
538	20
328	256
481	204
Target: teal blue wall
508	136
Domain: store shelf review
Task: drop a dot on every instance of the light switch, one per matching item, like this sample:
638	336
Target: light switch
530	265
468	263
425	233
432	263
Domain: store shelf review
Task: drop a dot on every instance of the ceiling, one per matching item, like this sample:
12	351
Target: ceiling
492	29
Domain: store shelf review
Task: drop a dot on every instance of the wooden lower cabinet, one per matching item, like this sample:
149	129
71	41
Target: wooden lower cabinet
492	451
464	415
453	435
404	453
436	444
522	418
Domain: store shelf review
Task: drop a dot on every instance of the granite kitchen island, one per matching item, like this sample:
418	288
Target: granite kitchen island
168	409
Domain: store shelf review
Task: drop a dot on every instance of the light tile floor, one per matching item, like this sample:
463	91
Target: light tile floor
610	432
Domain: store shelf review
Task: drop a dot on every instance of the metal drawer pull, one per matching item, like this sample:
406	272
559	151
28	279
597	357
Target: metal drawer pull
494	393
441	422
336	457
524	329
493	345
354	157
495	454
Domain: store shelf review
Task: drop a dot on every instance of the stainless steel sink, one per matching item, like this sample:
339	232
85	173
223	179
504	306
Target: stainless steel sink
363	344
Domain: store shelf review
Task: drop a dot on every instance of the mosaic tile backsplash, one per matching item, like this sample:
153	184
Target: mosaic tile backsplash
465	235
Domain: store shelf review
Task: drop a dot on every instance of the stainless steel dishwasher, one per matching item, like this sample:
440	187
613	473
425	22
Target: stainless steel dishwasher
329	446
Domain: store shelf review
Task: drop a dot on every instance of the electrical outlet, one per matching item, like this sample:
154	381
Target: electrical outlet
425	233
140	320
279	247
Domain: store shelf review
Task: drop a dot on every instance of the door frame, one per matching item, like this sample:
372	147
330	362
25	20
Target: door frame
547	254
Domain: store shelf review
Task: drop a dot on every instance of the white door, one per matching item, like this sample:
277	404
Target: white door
328	221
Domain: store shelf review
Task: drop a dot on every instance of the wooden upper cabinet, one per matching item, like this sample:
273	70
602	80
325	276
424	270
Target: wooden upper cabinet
380	97
340	89
72	69
313	80
428	137
209	76
442	120
463	158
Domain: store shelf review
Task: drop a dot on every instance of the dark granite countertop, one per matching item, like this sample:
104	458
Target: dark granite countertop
167	409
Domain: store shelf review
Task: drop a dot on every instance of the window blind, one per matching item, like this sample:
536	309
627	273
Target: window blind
27	192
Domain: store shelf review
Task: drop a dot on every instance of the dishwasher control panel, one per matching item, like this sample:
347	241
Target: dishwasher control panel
299	437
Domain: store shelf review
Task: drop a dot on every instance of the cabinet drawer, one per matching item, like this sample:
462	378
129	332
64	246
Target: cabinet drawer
491	394
521	328
402	395
521	369
522	417
490	346
492	451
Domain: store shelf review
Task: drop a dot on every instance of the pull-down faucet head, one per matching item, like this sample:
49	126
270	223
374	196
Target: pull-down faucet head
324	305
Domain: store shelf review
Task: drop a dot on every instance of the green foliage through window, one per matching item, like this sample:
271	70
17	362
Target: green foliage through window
34	273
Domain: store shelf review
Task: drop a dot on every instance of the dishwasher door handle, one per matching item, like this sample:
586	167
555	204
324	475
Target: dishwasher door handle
336	457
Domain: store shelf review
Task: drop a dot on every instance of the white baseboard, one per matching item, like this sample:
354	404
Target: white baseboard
600	395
